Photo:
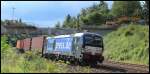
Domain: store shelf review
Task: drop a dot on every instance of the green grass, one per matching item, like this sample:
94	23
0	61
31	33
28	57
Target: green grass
128	44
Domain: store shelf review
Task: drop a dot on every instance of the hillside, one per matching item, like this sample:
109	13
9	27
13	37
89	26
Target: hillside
129	44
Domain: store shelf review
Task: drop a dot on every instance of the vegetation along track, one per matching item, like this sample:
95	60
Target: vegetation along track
111	67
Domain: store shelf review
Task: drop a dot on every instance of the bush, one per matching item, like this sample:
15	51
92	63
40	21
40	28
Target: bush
130	43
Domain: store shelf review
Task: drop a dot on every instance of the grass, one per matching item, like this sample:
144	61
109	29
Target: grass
128	44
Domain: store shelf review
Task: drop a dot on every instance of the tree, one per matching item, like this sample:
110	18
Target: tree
125	8
103	8
68	23
94	18
15	23
78	21
146	11
93	8
67	20
57	25
97	14
20	20
83	12
2	22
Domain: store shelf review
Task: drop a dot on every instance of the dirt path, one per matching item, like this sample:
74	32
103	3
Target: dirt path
110	67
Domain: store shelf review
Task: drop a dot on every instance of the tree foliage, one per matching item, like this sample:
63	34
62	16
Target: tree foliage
99	14
15	23
95	18
145	11
58	25
94	15
126	8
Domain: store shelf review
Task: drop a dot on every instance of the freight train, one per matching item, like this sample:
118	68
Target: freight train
79	47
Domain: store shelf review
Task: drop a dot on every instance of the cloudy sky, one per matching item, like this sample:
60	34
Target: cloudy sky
43	13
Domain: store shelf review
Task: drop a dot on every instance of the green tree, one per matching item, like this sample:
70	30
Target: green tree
83	12
97	14
78	21
73	22
70	22
20	20
2	22
67	21
93	8
58	25
103	8
94	18
145	12
125	8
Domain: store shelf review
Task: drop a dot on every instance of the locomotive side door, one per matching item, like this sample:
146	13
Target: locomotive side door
78	47
49	45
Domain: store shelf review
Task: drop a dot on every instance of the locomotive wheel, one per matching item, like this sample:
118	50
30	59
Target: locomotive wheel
93	64
83	63
75	62
72	61
102	59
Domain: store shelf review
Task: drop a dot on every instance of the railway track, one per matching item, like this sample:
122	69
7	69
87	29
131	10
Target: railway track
112	67
130	67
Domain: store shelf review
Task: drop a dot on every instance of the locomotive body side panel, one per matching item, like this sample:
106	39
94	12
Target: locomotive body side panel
49	45
63	46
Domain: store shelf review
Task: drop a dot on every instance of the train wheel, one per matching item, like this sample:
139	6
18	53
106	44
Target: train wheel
83	63
76	62
102	59
72	60
93	64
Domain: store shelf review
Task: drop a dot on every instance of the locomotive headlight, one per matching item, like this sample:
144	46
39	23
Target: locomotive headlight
93	50
98	50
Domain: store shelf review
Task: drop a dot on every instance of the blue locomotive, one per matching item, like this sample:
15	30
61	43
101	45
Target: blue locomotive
79	47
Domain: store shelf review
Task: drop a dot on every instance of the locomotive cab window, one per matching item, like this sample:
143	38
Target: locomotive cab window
98	41
93	40
78	42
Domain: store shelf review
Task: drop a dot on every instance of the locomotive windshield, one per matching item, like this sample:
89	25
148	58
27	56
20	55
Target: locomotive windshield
93	40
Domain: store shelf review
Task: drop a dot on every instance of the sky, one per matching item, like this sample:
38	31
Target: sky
43	13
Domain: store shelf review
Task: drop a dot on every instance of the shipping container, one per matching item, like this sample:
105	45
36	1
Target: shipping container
26	44
18	45
37	43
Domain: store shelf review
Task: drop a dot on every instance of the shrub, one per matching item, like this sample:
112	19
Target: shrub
130	43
